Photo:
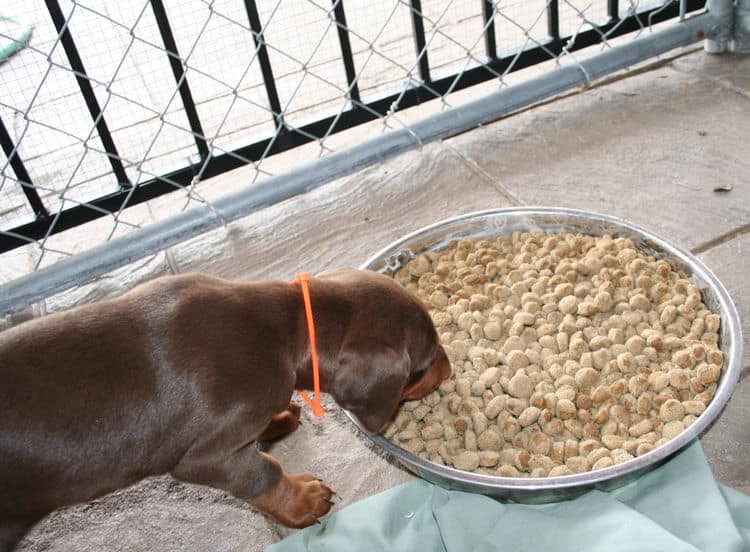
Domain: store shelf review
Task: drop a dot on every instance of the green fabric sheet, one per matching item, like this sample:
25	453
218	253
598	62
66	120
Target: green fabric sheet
678	507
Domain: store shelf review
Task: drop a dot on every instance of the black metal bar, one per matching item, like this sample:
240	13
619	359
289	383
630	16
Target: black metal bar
490	42
553	20
419	41
265	62
346	49
88	92
22	174
179	76
613	10
357	115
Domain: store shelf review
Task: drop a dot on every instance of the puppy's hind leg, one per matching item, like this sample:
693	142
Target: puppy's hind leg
294	500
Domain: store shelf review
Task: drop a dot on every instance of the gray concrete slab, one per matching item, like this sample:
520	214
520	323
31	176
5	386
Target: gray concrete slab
195	518
345	222
729	261
729	71
650	148
727	442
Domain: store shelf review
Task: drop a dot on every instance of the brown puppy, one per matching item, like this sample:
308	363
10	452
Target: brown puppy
183	374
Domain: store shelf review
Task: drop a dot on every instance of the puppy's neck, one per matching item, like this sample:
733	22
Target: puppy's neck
331	313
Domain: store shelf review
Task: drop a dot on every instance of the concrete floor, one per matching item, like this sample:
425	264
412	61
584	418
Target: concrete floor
650	146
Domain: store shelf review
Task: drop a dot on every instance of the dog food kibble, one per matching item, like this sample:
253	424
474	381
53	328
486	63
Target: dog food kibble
570	353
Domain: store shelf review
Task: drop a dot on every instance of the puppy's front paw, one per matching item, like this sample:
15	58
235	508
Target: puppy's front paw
313	500
282	423
295	411
296	500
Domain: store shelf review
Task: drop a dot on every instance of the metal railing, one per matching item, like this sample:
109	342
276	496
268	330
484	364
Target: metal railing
483	57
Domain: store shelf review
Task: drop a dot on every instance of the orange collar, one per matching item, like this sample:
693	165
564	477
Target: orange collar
302	279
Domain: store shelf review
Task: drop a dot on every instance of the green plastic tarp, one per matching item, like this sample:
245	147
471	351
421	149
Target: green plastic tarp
678	507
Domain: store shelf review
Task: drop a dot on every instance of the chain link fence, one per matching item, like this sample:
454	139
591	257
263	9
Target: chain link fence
108	105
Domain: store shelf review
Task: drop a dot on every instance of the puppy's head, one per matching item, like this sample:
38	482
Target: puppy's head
390	352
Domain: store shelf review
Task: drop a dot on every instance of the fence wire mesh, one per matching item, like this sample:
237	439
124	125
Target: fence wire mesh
110	104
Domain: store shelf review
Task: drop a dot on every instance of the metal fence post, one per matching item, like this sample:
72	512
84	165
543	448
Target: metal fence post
741	41
723	16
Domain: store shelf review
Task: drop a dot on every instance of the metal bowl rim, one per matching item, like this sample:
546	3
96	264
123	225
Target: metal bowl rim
729	377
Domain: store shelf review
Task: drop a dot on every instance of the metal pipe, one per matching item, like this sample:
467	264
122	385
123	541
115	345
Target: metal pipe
741	40
720	35
156	237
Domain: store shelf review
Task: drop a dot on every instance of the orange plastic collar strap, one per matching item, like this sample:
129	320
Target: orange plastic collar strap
318	411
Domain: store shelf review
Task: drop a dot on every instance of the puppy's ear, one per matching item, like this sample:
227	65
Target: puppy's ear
369	384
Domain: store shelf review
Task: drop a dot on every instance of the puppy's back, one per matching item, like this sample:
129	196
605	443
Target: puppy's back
79	402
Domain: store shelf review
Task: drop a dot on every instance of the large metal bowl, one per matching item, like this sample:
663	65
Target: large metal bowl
504	221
